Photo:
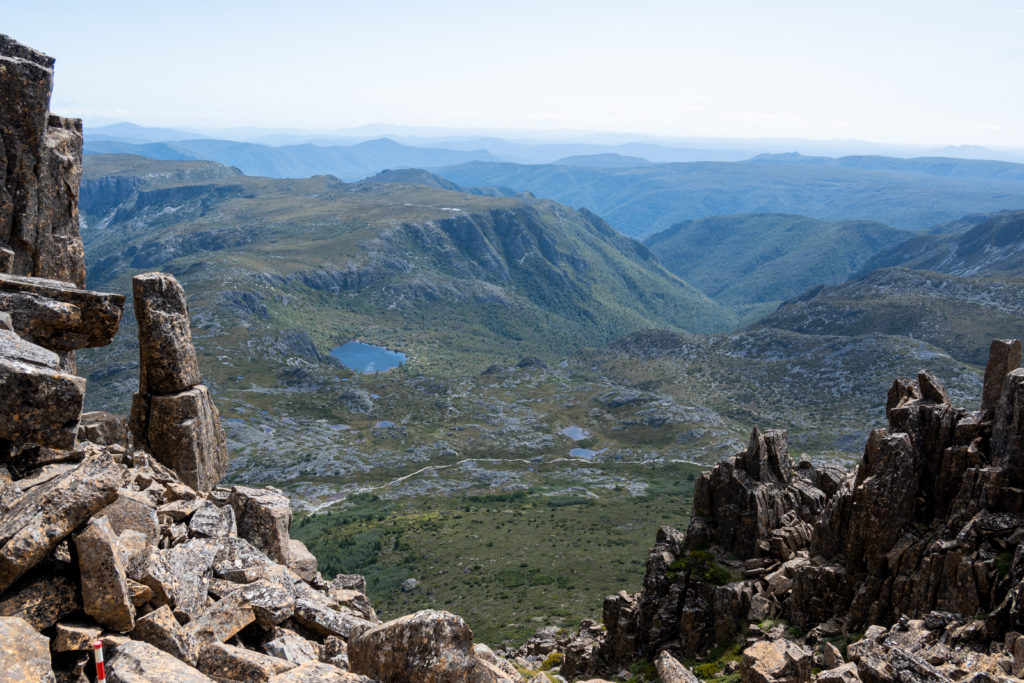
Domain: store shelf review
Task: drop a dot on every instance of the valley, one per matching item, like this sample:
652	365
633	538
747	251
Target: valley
558	376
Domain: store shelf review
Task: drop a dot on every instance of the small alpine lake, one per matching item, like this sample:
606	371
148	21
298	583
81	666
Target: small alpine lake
367	358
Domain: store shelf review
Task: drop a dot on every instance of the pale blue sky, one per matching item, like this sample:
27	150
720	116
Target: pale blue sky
916	72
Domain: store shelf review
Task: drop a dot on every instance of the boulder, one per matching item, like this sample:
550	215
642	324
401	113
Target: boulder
211	521
222	620
25	655
264	517
138	662
671	671
106	429
428	646
160	629
318	672
41	404
44	516
845	673
42	602
291	647
239	664
321	619
775	661
59	316
301	561
132	510
75	637
105	594
167	359
184	433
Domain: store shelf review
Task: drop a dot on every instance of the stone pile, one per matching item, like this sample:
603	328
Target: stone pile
919	548
125	537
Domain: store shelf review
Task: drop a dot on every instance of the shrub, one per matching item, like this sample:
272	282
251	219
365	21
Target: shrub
553	660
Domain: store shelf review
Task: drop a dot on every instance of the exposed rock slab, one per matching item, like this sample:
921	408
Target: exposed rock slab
671	671
318	672
59	316
42	602
184	433
239	664
48	513
105	594
40	403
25	655
264	518
776	661
138	662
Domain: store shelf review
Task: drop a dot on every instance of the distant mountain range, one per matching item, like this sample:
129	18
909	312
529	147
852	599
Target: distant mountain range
910	194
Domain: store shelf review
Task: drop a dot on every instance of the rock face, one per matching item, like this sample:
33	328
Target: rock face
930	523
172	414
41	164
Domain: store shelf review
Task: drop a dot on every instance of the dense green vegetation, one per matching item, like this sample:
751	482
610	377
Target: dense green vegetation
507	563
765	258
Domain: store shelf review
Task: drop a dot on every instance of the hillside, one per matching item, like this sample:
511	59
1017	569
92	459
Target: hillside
399	263
985	246
909	194
960	315
762	258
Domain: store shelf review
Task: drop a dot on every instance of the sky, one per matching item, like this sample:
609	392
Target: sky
930	72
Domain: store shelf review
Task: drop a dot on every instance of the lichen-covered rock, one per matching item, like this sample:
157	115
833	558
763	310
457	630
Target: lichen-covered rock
40	403
25	654
42	602
59	316
671	671
239	664
300	560
160	629
132	510
320	618
105	594
48	513
184	433
138	662
75	637
318	672
264	517
106	429
428	646
167	363
211	521
775	661
291	647
222	620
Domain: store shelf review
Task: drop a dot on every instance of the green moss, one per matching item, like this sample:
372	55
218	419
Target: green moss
702	565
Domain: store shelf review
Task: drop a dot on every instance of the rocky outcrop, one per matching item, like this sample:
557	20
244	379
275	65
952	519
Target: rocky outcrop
922	536
172	414
40	171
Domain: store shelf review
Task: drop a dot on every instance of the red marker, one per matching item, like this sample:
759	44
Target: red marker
101	674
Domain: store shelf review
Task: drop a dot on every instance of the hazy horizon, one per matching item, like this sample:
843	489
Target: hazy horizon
914	74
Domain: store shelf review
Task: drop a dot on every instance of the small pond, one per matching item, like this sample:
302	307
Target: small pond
576	433
367	358
585	453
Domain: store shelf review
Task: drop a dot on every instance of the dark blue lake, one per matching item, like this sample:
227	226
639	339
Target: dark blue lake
367	358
